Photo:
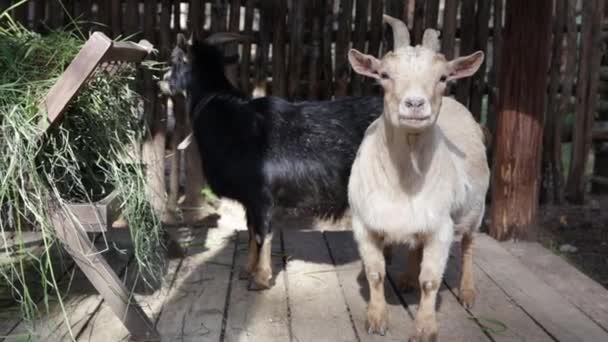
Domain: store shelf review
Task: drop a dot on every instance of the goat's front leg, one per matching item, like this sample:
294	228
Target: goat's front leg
370	249
434	257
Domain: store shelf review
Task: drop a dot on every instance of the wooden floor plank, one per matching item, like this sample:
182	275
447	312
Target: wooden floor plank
356	291
455	323
316	302
81	303
194	308
549	308
504	319
587	295
258	315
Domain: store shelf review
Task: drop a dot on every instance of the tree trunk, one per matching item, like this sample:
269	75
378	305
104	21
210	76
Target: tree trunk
519	133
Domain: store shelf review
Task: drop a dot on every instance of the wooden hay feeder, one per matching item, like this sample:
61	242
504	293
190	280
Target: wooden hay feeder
73	224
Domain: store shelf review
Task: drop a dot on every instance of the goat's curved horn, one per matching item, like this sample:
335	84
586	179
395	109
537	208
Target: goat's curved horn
401	35
430	40
181	40
226	37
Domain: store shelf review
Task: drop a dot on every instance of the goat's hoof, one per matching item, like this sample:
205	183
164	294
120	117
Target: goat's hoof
408	284
467	297
426	331
261	280
377	320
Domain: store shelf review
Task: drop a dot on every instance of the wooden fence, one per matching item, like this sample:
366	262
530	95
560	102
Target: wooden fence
300	49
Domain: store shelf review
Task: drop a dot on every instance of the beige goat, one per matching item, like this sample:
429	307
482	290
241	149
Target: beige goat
420	174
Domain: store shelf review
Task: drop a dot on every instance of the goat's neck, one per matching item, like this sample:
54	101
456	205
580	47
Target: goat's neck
410	153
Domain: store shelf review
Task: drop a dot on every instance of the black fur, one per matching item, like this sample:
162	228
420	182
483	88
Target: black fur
268	152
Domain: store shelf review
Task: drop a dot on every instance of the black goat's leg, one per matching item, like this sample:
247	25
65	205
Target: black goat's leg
253	251
262	275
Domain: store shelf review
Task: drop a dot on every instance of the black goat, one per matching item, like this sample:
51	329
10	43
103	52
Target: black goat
268	152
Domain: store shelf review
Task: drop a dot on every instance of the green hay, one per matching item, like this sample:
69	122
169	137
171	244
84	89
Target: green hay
82	160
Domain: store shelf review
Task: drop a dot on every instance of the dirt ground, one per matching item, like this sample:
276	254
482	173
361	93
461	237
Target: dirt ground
583	227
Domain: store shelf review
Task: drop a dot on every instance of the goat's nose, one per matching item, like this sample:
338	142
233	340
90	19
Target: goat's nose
414	102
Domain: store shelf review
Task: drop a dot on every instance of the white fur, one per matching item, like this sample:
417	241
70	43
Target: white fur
400	188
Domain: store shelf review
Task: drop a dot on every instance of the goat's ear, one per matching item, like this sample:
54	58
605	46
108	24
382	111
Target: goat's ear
363	64
465	66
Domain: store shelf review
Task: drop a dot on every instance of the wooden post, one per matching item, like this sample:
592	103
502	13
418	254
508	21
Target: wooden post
518	143
586	97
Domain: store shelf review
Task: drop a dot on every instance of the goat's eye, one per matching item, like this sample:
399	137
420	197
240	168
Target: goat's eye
384	76
443	78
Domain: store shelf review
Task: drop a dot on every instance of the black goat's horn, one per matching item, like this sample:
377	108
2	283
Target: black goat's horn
401	35
226	37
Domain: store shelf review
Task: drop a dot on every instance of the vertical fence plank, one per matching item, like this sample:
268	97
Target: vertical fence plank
21	14
359	40
448	33
262	48
327	69
565	103
342	46
396	8
478	90
55	15
246	57
552	115
116	17
177	17
314	11
467	44
196	18
586	98
4	4
418	24
218	15
232	49
132	25
154	146
375	36
279	76
296	18
431	13
493	73
39	15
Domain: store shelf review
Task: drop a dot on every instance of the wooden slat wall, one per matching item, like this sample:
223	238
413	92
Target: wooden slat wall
299	48
302	55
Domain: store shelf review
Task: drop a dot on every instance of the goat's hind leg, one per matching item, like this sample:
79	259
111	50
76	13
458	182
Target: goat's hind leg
253	251
467	293
262	273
